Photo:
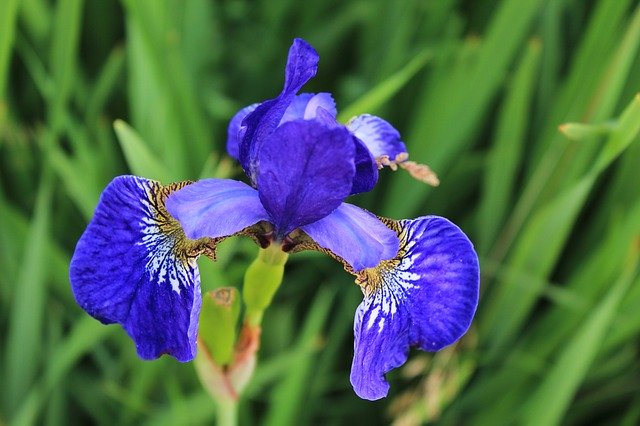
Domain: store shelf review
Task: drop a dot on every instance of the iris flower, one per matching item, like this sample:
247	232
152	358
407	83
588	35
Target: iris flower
135	264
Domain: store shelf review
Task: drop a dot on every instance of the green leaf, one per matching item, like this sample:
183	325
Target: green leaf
550	400
23	345
381	93
140	158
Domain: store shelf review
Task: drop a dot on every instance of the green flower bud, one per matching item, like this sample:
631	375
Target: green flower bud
218	321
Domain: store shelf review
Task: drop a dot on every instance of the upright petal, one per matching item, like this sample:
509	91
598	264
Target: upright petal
295	110
378	135
134	266
216	208
366	175
322	100
354	236
302	65
233	131
306	171
305	105
425	297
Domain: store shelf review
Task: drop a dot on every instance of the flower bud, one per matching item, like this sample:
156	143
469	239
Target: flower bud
218	320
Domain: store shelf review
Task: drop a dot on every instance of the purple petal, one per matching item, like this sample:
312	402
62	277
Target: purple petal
379	136
302	65
134	266
322	100
366	175
306	171
354	235
426	297
305	106
295	110
216	208
233	131
381	343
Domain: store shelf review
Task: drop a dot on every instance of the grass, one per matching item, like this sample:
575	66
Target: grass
527	110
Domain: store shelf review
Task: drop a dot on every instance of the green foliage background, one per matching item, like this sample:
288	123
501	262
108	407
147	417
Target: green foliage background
478	90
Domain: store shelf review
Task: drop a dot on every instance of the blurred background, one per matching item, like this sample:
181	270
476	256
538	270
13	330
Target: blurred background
478	89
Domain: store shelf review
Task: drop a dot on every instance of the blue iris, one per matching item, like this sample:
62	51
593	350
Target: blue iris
135	263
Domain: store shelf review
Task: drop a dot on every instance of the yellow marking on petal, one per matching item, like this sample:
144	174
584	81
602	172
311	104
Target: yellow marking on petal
184	249
371	280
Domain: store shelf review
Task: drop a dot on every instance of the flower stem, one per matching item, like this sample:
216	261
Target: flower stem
261	281
227	413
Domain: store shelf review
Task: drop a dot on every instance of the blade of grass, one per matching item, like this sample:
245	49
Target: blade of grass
506	152
86	333
63	57
552	169
24	336
382	92
287	398
454	107
139	156
550	400
506	311
8	18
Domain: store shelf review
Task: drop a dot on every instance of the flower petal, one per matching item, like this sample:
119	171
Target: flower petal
216	208
302	65
355	236
323	100
295	110
306	171
134	266
233	131
425	297
381	343
305	106
378	135
366	175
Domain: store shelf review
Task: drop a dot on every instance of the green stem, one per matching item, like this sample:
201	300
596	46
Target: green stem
261	281
227	413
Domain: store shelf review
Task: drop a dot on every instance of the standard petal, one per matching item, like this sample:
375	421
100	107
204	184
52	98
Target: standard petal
216	208
233	131
366	175
305	106
425	297
355	236
380	137
322	100
302	65
306	171
134	266
295	110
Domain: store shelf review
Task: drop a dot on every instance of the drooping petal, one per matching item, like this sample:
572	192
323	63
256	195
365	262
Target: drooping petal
425	297
134	266
381	343
233	131
355	236
302	65
216	208
378	135
306	171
